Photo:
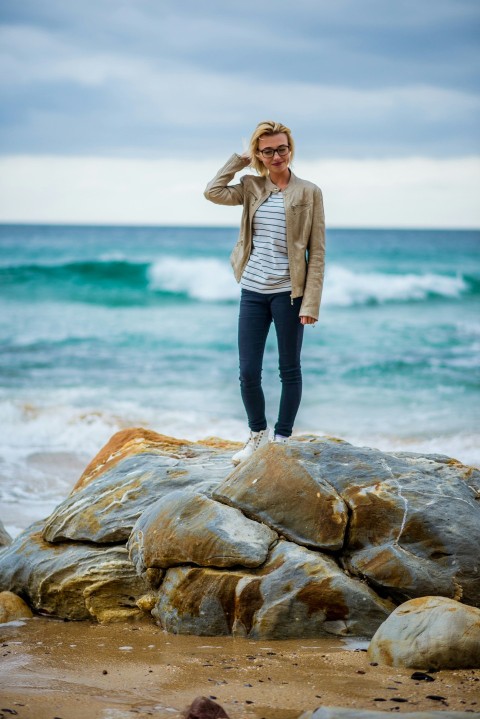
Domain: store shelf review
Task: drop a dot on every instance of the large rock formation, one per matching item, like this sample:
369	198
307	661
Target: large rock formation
316	536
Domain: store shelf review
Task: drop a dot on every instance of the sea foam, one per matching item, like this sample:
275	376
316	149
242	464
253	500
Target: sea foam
207	279
211	279
345	288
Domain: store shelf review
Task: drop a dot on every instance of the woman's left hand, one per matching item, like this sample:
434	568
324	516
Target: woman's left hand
306	320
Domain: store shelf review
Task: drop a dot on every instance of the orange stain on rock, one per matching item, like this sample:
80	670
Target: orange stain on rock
124	443
138	440
324	597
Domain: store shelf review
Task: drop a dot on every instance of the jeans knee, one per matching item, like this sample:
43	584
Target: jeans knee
250	377
291	374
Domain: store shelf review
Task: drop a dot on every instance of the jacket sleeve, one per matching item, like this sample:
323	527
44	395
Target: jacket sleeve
316	260
219	191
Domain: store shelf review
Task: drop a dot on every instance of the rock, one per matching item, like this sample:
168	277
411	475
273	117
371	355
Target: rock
105	508
138	440
12	607
304	539
387	567
127	443
185	527
199	601
445	465
5	538
301	593
429	632
72	581
412	517
296	593
422	677
340	713
205	708
289	496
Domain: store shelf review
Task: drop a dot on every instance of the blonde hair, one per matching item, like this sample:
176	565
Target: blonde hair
268	127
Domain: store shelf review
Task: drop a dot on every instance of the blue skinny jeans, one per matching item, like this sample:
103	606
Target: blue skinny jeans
257	311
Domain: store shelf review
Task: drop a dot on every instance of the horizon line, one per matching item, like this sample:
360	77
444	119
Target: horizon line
169	225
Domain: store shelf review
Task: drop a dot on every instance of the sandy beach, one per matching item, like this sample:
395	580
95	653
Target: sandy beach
71	670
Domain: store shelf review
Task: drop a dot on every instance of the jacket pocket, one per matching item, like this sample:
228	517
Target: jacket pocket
301	207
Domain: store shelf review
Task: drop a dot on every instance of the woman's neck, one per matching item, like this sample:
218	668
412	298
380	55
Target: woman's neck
280	179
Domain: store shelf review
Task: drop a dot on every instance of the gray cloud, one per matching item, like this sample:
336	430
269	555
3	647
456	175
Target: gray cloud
354	78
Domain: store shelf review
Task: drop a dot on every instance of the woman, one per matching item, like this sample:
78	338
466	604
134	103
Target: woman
279	261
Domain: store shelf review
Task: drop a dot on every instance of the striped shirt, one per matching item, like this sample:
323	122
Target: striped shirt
267	270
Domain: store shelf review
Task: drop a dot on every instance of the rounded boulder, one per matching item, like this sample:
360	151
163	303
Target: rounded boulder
429	633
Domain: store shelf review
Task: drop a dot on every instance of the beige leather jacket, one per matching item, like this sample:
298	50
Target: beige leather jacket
305	222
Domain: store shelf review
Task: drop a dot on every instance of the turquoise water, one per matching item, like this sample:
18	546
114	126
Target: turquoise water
107	327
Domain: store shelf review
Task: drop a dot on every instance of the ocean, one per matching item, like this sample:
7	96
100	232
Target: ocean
103	328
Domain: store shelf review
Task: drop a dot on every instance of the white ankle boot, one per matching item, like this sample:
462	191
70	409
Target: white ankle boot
279	439
255	441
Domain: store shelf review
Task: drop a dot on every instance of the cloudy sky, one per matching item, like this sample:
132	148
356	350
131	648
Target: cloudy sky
121	110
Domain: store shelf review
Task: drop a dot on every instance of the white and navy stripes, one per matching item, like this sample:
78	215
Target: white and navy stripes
267	269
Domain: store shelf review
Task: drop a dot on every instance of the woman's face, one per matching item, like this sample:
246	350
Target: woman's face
277	162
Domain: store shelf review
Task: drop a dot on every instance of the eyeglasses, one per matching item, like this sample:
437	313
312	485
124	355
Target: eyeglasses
270	152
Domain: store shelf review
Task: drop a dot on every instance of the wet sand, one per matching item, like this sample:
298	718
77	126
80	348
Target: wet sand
72	670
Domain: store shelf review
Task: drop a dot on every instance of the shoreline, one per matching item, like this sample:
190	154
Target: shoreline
69	670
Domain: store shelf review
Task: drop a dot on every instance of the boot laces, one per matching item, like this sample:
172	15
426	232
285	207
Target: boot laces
255	438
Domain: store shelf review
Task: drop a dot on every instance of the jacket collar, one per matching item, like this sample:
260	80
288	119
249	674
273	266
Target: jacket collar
270	187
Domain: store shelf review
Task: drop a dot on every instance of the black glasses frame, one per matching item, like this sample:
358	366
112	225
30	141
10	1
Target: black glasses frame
270	151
